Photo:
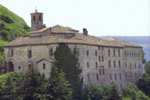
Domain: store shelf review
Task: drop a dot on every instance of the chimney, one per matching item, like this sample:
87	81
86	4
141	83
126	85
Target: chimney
85	32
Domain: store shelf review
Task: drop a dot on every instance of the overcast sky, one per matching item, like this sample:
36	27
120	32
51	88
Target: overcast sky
100	17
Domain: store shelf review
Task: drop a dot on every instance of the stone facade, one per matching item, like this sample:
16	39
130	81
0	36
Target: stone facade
101	60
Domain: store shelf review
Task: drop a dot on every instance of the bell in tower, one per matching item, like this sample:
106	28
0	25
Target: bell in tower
37	21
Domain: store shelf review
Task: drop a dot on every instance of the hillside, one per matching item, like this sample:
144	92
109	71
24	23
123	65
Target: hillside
11	26
144	41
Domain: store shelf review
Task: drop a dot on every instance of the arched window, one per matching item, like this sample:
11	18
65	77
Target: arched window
30	67
33	18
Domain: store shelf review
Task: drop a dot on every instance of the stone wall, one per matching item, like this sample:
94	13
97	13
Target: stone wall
93	60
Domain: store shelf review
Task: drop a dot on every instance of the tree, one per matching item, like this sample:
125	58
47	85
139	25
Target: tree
66	61
143	58
144	84
57	88
114	95
28	86
7	88
147	67
93	93
131	91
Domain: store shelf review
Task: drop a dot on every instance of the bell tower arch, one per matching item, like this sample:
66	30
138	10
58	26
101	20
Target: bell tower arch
37	20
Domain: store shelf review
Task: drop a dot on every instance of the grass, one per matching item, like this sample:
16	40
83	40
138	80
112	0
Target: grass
12	23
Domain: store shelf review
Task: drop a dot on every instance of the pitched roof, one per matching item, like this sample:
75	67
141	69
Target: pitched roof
39	31
78	38
128	44
51	60
56	29
61	29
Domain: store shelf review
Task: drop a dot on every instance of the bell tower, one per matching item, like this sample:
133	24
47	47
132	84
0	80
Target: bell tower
37	21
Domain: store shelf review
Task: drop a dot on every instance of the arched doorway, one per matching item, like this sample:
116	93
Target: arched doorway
10	66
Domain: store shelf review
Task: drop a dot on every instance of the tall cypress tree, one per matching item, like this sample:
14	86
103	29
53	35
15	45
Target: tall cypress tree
57	88
66	61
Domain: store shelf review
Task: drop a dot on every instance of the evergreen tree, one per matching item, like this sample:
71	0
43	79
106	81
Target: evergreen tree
66	61
144	84
114	95
28	86
57	88
147	67
7	91
143	58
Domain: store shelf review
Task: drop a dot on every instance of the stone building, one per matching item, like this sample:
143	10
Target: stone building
101	60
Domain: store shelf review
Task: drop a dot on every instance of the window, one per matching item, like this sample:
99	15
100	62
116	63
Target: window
109	63
96	64
114	63
102	58
110	76
99	58
87	52
120	76
100	71
95	53
40	18
115	77
97	77
114	52
119	63
119	52
19	67
29	53
30	67
43	65
87	64
50	52
12	53
33	18
98	47
109	52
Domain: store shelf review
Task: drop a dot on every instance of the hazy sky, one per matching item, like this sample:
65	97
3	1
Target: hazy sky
100	17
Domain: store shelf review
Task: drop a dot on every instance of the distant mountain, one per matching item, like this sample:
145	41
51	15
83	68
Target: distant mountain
144	41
